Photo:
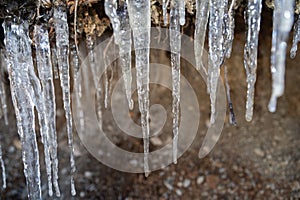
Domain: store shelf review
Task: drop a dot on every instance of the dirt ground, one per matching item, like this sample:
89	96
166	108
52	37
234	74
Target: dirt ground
253	160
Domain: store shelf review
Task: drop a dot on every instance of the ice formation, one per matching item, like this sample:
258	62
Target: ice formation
283	18
216	49
140	22
252	16
44	66
131	23
175	44
62	48
202	13
23	84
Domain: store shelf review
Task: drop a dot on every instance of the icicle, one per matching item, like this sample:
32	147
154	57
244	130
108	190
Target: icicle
232	119
90	40
202	13
165	4
107	63
252	18
139	17
230	29
125	52
19	59
296	38
3	89
44	66
175	44
111	11
77	85
283	18
216	50
62	47
3	169
41	107
181	12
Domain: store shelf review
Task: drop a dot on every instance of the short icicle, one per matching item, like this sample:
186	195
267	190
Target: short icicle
283	18
62	48
140	22
202	12
252	17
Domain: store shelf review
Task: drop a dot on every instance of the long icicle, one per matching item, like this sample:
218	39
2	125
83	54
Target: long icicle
125	52
44	66
41	107
62	47
296	37
252	18
283	18
75	62
216	50
140	21
19	60
175	44
202	12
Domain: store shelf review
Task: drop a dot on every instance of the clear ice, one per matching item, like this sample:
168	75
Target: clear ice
62	48
44	66
283	18
175	44
181	4
125	52
140	22
111	11
202	12
216	49
22	78
252	18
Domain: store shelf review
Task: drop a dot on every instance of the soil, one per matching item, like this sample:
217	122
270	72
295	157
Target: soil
253	160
